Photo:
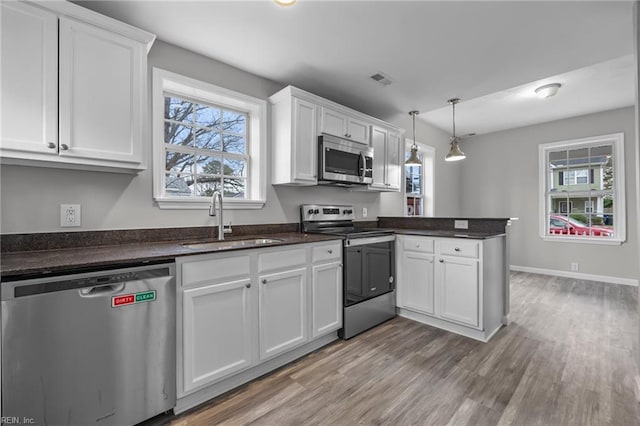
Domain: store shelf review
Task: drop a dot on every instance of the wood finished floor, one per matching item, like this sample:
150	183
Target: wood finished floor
567	358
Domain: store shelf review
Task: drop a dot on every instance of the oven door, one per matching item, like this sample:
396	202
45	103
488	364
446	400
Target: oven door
344	161
369	271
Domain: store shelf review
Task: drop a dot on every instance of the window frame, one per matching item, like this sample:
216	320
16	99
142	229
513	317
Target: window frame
166	82
616	140
427	192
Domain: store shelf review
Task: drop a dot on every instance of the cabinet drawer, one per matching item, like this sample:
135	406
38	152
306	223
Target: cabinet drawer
424	245
281	259
458	247
214	269
326	252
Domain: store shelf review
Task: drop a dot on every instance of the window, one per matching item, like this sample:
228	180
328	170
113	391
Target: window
206	138
588	206
582	190
419	182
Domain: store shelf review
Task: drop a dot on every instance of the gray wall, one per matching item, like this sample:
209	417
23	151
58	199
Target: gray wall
500	179
31	195
446	175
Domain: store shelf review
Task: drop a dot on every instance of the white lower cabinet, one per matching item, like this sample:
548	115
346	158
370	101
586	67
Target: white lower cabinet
283	311
213	314
326	284
239	311
452	283
458	290
417	285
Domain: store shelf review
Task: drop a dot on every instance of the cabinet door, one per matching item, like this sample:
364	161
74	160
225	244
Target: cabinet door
358	130
305	141
283	311
29	79
100	93
379	145
216	331
394	161
417	282
326	286
334	123
458	290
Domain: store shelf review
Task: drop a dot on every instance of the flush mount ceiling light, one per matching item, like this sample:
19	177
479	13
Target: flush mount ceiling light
285	2
548	90
455	154
413	160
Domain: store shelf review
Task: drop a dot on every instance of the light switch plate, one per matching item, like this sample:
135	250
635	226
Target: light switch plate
461	224
364	212
70	215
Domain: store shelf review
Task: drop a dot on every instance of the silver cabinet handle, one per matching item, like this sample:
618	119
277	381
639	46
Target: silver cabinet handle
441	260
457	249
64	146
248	285
417	245
330	251
264	281
51	145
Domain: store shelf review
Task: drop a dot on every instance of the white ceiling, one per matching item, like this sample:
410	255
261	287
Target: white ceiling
488	53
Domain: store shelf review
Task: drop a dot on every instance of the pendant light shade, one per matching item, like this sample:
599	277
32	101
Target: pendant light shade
413	160
455	153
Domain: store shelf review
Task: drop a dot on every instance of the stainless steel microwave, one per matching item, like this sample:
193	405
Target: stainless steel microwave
343	162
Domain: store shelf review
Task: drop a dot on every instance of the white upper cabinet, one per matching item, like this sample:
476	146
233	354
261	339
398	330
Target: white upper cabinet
299	117
345	126
29	79
100	94
294	141
85	110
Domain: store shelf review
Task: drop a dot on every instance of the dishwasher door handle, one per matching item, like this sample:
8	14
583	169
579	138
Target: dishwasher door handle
103	290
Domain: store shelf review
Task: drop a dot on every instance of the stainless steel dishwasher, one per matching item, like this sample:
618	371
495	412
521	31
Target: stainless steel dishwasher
93	348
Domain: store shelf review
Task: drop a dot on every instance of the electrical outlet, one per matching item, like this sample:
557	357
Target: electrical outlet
461	224
575	266
70	215
364	212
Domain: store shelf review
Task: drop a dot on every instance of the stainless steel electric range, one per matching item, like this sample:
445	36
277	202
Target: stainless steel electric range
369	296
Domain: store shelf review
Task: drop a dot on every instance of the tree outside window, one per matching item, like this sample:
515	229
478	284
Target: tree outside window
205	149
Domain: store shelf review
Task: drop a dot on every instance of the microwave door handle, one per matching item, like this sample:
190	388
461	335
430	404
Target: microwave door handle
364	166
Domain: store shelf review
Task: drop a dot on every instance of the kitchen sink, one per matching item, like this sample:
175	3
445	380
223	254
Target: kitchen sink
230	244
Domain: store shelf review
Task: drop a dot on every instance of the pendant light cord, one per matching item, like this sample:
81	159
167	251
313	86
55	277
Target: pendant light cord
414	129
453	104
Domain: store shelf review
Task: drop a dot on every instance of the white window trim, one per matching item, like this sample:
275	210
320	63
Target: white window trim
428	179
619	216
198	90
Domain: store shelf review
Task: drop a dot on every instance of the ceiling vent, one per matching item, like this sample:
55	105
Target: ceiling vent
381	78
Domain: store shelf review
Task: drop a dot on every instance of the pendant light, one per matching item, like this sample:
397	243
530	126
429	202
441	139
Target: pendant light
455	154
413	160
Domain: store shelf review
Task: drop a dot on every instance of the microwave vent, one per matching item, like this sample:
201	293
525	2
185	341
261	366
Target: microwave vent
381	78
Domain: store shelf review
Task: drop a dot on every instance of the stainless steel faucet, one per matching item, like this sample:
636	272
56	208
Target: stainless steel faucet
212	212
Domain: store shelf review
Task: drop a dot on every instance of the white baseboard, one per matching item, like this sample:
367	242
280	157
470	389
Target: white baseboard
576	275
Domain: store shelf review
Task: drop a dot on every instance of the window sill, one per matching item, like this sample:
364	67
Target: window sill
594	240
172	203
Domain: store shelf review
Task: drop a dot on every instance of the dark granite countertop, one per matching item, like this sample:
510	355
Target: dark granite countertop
42	263
458	233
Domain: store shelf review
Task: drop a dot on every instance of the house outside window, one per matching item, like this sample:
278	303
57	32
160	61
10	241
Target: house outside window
582	190
207	138
418	182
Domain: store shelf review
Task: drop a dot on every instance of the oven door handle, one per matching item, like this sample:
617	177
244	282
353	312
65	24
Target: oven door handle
364	166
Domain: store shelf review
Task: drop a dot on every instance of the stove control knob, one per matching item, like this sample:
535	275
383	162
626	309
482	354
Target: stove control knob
316	211
347	212
310	211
